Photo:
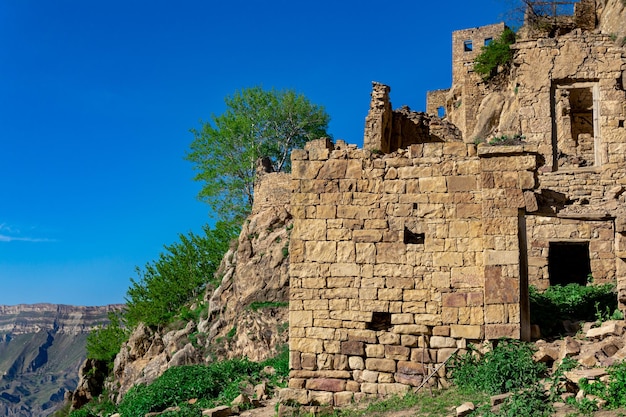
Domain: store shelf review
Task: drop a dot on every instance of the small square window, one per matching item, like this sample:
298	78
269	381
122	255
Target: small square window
468	46
488	41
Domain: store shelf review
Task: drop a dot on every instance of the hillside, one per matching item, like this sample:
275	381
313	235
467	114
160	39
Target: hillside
41	349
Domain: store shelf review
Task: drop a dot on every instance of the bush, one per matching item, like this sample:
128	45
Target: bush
104	342
614	393
495	54
507	367
570	302
178	276
218	383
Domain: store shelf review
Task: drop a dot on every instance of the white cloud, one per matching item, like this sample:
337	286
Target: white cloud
9	233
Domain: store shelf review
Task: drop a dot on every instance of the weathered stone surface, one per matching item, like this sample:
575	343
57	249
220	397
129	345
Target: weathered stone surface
326	384
382	365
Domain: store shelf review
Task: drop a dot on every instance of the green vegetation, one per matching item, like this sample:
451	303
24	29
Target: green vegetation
178	276
104	342
259	305
571	302
614	393
212	385
257	123
424	403
507	367
497	53
502	140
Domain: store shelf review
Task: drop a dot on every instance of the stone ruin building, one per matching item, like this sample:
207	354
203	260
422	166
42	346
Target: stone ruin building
425	240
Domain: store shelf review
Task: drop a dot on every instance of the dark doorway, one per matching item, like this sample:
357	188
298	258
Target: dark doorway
568	263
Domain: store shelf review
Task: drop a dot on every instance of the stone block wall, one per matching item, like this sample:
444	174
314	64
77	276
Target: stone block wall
588	59
598	234
398	260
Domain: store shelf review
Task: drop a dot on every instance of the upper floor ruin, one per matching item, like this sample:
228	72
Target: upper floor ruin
428	238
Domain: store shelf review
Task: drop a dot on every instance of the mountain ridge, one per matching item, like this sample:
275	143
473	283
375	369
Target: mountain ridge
41	349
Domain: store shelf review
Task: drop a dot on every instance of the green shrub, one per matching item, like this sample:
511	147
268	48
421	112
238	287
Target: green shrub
530	402
178	276
569	302
614	393
495	54
218	383
259	305
507	367
104	342
181	383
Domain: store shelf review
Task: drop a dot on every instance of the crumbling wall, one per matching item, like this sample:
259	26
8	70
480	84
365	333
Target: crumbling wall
388	130
397	260
435	100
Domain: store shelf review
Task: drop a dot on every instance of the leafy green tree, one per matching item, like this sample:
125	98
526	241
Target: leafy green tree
104	342
256	124
179	275
495	54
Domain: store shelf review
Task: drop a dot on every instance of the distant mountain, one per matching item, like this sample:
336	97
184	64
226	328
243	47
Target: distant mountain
41	348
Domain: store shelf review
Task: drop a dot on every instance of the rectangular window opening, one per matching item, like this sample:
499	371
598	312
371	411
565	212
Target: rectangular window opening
413	238
468	46
488	41
380	321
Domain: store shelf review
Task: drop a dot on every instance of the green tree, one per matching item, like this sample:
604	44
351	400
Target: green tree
179	275
495	54
104	342
256	124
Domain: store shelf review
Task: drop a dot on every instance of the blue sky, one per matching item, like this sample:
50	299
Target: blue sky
97	99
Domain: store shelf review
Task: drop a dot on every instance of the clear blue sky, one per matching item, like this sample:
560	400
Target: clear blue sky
97	99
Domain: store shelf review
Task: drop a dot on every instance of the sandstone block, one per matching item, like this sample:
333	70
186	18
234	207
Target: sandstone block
462	183
369	376
408	340
344	398
301	318
466	332
381	365
414	329
393	389
412	380
388	338
375	351
306	345
333	169
353	348
309	361
321	251
319	374
317	398
356	362
367	236
397	352
369	388
411	368
296	383
326	384
353	386
298	396
495	331
438	342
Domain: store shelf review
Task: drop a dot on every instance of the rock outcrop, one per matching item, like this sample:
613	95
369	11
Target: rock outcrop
247	313
41	349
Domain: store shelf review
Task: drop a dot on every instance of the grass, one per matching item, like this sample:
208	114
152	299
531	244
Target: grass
438	404
260	305
210	385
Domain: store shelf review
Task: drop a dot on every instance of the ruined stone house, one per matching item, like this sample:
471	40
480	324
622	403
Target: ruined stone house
406	250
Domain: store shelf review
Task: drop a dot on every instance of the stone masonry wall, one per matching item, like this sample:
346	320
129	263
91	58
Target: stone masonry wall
398	260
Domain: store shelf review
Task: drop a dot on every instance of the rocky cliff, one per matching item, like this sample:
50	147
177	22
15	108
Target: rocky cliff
245	316
41	349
